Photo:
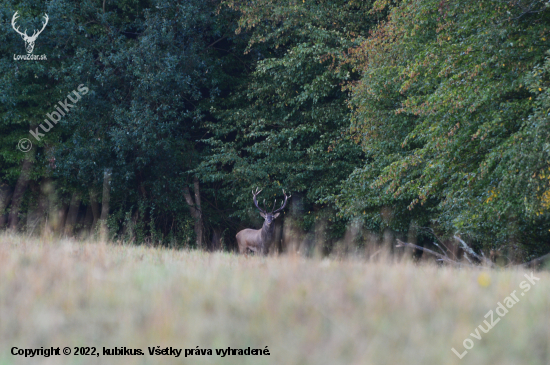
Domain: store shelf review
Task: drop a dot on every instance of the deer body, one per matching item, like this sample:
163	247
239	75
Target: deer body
259	240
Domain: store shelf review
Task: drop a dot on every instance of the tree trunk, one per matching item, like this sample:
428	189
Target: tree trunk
20	189
95	208
195	210
88	220
72	215
105	203
35	212
42	209
61	217
216	244
5	195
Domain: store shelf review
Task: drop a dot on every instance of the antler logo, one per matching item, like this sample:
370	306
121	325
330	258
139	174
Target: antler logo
29	41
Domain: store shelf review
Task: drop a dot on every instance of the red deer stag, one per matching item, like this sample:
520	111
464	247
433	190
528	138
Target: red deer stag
258	240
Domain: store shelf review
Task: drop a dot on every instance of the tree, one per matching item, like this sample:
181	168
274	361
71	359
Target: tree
151	70
441	110
282	127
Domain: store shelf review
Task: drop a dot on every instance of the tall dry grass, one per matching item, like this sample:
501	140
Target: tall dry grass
307	311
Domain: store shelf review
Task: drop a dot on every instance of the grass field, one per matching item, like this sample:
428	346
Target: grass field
307	311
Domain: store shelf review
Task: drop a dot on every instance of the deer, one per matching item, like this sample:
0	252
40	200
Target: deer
258	240
29	41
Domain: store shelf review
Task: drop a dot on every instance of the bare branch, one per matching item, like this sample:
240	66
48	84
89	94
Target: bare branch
431	231
536	261
468	249
444	253
443	258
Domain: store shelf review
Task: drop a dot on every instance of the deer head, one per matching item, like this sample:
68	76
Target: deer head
258	240
269	217
29	41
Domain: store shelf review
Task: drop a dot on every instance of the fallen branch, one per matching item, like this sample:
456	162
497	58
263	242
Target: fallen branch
442	257
536	261
466	248
431	231
469	250
444	253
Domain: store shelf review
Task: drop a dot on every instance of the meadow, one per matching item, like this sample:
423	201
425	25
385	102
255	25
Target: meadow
60	292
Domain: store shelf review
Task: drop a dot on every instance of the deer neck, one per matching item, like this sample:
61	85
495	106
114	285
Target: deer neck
267	232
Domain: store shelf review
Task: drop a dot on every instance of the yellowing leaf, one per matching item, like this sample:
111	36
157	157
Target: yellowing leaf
484	279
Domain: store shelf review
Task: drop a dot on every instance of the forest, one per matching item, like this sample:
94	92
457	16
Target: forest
151	122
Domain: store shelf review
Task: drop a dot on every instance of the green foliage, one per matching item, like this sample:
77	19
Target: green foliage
152	71
283	127
415	113
447	114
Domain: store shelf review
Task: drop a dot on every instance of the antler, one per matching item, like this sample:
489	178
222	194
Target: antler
25	35
283	204
35	35
258	191
17	29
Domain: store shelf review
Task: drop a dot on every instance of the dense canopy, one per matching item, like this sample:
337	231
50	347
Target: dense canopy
423	118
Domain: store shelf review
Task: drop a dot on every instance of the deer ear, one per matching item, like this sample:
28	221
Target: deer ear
262	214
276	215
